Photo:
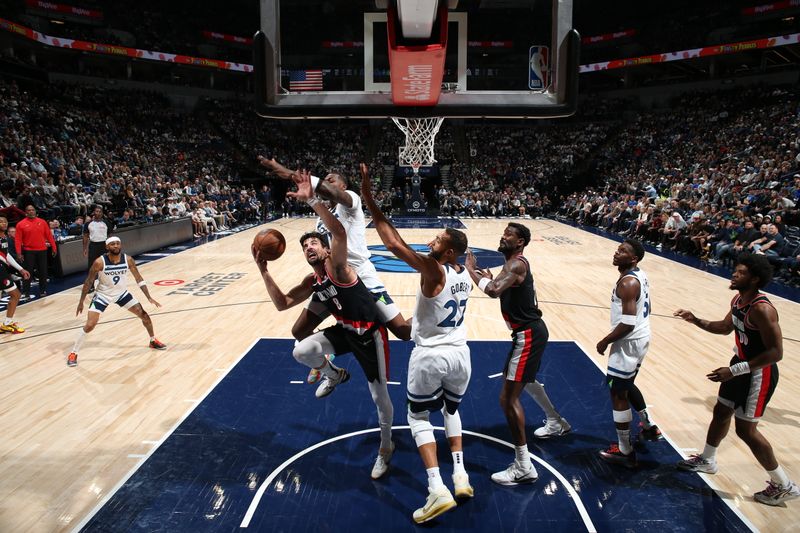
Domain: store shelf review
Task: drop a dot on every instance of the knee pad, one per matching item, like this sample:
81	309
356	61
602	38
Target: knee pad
452	424
421	428
621	417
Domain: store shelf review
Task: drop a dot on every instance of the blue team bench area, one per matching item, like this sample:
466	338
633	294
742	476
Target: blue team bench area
261	453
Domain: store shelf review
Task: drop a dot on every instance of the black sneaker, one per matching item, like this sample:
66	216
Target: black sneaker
653	434
613	455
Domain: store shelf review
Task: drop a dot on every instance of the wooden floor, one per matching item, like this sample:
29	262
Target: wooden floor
70	435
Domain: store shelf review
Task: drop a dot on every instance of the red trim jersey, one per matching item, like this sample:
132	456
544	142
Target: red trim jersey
351	305
518	303
749	343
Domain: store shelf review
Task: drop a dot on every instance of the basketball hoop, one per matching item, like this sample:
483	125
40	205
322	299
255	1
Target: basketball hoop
420	136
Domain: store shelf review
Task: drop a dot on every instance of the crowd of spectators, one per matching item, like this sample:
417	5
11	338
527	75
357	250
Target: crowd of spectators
713	176
687	177
66	148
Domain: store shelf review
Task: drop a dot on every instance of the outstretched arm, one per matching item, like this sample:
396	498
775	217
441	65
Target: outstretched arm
513	273
719	327
424	264
296	295
275	167
305	193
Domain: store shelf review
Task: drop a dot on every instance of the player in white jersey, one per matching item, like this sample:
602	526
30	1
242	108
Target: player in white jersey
111	271
347	209
439	368
629	339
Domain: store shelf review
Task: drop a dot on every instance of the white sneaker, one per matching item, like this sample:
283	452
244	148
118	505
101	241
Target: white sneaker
328	384
553	428
697	463
438	502
515	474
774	494
381	465
462	486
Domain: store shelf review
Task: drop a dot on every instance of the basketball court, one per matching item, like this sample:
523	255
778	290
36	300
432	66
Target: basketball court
221	427
221	433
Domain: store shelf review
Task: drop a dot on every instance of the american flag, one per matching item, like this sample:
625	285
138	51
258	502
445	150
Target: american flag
305	80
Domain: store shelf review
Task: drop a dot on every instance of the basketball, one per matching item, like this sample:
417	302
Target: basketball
271	244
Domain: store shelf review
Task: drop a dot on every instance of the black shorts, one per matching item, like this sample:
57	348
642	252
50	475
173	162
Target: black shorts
525	356
6	283
371	349
749	394
617	383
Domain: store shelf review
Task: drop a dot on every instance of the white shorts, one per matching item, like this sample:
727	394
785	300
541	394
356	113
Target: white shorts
626	357
100	301
386	306
438	376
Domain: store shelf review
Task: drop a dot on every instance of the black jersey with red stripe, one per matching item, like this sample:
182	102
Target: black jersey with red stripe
518	303
749	343
352	305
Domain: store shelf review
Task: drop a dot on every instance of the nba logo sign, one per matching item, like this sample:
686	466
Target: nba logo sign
538	67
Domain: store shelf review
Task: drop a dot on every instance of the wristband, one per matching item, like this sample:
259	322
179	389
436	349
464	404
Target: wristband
142	283
314	183
483	283
312	201
629	320
740	368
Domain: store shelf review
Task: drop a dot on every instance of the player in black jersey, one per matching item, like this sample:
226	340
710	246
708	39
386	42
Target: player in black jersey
8	268
514	285
337	290
749	382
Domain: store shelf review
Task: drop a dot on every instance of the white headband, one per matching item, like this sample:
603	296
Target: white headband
113	239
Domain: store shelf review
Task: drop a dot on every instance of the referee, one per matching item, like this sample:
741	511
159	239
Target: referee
95	233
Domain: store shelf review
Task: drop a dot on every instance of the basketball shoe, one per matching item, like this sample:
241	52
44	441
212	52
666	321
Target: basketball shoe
553	428
438	502
328	384
652	433
12	328
615	456
515	474
157	345
381	465
698	463
72	359
462	486
774	494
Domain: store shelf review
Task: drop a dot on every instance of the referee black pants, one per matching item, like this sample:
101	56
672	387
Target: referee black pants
96	249
35	260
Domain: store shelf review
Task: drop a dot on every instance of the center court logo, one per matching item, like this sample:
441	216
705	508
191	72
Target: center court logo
385	261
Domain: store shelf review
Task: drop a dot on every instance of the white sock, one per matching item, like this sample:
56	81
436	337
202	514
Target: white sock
624	436
779	476
434	478
536	391
152	338
79	341
7	321
458	463
522	455
709	453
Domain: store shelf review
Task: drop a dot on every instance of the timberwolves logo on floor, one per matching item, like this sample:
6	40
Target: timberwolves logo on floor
385	261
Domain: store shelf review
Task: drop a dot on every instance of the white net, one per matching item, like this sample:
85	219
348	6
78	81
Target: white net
420	136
